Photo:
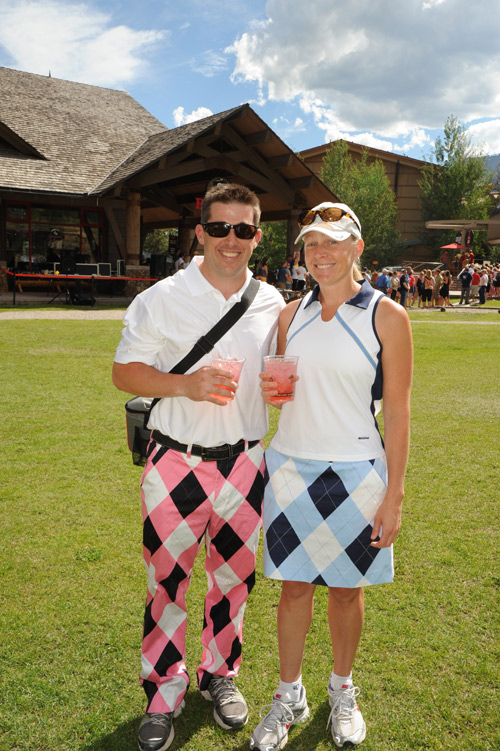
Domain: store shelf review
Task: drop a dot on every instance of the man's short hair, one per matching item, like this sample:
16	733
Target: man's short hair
230	193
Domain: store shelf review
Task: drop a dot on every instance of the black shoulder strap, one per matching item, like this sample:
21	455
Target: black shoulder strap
207	342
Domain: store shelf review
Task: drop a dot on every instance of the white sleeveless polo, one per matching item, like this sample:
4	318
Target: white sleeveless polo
333	415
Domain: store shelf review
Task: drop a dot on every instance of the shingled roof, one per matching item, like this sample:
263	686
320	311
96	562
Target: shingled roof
65	137
160	145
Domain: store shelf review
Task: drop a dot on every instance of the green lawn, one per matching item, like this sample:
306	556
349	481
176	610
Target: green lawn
73	584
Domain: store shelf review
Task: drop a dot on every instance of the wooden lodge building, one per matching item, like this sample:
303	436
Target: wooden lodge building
87	172
404	174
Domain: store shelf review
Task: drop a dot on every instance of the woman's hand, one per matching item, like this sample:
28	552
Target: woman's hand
269	389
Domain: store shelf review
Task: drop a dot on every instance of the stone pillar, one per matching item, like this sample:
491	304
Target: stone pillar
135	284
133	228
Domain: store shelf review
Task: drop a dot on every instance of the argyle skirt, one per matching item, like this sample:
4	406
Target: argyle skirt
318	518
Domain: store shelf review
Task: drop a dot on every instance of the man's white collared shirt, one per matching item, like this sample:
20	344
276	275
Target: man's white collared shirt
161	326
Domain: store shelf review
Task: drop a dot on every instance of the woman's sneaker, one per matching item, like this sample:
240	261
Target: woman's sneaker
348	726
271	733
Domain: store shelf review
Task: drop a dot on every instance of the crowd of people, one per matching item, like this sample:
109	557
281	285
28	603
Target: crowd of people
426	288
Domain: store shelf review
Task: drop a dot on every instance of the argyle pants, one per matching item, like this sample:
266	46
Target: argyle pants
187	501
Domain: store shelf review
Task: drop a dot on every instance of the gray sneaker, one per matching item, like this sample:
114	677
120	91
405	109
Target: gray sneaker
230	708
156	731
348	726
271	733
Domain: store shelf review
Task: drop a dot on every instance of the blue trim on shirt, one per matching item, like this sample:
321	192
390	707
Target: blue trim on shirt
303	326
360	300
357	340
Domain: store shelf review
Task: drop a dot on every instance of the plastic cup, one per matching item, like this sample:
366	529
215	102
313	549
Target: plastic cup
283	369
234	366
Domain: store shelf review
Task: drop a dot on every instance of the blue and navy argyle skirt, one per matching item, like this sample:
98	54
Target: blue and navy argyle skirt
318	519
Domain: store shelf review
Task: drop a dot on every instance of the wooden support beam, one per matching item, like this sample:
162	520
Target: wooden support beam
115	229
261	136
301	183
280	160
133	228
280	185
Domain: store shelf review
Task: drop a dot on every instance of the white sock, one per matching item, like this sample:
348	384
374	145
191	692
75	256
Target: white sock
340	681
289	690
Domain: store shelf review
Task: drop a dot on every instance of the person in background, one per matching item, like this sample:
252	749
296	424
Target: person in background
383	282
444	292
204	476
484	282
474	285
332	507
438	280
428	287
465	278
413	289
284	277
420	285
262	271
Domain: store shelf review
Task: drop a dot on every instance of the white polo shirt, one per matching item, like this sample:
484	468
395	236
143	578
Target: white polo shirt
161	326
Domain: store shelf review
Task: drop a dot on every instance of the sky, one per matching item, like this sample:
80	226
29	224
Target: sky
383	73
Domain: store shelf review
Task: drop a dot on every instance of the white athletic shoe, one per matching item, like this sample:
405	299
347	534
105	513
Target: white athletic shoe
271	733
348	726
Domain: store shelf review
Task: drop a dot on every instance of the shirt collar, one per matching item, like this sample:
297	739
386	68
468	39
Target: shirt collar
198	285
360	300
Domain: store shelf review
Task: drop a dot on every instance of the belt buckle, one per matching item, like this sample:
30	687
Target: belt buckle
204	457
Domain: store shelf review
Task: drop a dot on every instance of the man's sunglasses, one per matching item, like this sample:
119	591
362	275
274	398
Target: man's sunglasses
222	229
329	214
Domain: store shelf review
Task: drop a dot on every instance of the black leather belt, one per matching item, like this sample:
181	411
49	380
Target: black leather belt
212	454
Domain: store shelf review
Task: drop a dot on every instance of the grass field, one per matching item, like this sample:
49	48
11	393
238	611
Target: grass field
73	584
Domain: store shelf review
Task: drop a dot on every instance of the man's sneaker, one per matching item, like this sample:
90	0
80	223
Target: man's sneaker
271	733
156	731
230	708
348	726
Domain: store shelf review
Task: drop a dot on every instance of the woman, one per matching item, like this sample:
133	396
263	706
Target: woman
332	507
428	287
444	292
394	286
420	288
261	270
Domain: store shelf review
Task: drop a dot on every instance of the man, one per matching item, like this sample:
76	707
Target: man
465	277
383	282
404	287
284	276
191	492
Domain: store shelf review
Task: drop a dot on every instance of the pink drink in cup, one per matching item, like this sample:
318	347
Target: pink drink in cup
231	364
283	369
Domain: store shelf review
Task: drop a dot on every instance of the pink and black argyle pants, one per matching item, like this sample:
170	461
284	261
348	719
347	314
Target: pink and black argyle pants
187	501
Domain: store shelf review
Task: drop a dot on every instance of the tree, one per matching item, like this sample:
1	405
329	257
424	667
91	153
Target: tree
272	245
455	184
156	242
366	188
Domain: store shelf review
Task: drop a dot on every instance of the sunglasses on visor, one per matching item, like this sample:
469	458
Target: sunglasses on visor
329	214
222	229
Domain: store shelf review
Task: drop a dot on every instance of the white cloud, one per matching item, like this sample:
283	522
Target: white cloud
74	41
211	64
384	68
182	118
486	136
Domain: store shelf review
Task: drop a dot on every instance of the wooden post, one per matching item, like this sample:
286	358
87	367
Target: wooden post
133	228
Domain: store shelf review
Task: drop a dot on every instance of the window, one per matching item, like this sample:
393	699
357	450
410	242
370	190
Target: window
38	235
